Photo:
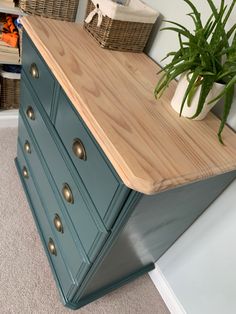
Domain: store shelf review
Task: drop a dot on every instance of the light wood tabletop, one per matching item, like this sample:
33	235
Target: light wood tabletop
150	147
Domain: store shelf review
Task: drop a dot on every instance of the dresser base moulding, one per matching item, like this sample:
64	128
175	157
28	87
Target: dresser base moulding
100	293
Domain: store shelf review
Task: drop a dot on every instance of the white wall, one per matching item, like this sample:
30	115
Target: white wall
200	266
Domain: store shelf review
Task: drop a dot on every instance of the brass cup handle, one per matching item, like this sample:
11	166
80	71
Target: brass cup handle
67	193
52	247
25	173
30	113
34	72
78	149
58	223
27	147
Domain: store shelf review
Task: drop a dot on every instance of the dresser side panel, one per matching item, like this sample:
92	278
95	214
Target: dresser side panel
156	223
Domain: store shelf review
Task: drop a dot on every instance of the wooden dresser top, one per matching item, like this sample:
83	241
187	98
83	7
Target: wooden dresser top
150	147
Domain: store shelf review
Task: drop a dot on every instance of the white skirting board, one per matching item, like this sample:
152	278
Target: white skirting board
167	294
9	118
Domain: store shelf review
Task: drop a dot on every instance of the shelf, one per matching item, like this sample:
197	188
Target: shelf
12	63
9	10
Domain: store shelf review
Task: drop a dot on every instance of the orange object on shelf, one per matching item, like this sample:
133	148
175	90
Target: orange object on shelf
10	33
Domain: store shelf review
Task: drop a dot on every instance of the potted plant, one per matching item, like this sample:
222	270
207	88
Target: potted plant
205	62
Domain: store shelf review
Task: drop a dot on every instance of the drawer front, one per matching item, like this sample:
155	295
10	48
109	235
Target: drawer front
38	74
75	258
104	187
89	228
61	273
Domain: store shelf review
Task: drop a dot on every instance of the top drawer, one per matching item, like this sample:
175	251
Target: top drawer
103	185
38	74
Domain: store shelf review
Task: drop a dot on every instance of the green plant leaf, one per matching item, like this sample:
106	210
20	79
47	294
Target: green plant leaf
168	77
190	86
193	91
206	86
229	12
196	13
227	106
231	31
230	84
178	30
177	24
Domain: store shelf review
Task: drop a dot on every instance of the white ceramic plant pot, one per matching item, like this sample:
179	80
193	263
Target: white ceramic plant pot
189	112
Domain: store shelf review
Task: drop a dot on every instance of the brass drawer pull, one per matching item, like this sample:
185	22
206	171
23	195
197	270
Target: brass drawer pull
52	247
67	193
34	72
30	113
27	147
25	173
58	223
78	149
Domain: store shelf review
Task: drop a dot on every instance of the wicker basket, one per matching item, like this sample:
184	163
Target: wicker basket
55	9
10	91
118	35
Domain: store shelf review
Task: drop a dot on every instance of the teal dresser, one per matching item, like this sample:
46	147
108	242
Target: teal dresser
103	216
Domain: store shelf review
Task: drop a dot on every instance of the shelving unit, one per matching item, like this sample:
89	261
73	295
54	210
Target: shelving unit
16	11
9	10
8	62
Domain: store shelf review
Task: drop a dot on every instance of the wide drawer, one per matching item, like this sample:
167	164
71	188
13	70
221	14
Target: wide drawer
38	74
104	186
61	273
72	252
88	226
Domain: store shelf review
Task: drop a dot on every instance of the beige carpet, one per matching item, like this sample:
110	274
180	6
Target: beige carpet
26	283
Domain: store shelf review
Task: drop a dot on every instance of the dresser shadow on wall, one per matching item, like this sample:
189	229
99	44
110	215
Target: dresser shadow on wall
154	32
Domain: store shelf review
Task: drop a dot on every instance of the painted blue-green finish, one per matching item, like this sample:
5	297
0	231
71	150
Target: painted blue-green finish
65	290
111	234
102	183
74	257
90	233
137	264
44	85
90	298
64	279
155	224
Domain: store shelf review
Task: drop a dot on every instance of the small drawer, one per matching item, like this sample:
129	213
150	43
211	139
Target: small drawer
64	279
88	226
74	256
104	186
38	74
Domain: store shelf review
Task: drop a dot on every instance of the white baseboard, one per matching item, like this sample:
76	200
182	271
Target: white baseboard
168	295
9	118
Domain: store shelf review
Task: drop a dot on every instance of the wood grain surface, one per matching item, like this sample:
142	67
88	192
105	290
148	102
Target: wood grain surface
151	148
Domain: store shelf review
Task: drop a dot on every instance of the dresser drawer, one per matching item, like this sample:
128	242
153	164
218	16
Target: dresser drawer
73	254
38	74
105	188
88	226
61	273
